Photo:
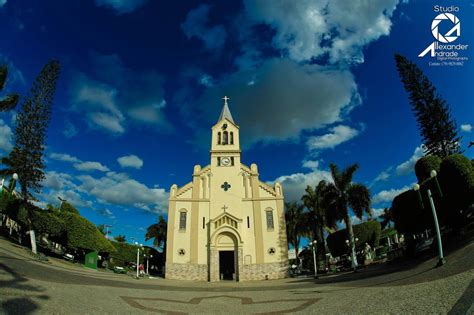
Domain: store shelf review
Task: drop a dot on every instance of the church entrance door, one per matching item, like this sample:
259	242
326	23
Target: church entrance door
227	265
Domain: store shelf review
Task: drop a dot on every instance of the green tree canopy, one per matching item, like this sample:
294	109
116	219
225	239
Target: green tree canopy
158	232
438	129
296	225
8	102
367	232
82	234
343	194
425	165
30	131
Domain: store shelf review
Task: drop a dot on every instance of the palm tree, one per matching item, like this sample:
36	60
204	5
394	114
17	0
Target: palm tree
386	217
296	225
158	231
10	101
316	217
341	195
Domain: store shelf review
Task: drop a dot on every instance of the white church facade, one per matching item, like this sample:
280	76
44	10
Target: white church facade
226	224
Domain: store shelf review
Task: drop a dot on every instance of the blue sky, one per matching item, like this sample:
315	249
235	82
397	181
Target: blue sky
310	82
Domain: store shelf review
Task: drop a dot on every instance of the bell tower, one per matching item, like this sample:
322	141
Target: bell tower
225	148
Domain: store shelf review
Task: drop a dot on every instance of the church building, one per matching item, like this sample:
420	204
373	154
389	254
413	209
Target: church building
226	224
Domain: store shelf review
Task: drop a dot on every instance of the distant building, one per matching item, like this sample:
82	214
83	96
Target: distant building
226	223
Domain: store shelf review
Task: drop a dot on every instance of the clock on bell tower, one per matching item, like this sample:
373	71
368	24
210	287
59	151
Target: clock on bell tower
225	148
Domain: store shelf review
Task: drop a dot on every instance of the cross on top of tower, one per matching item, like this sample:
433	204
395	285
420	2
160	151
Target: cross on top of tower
225	98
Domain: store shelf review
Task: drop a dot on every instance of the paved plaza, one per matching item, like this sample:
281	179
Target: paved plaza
29	286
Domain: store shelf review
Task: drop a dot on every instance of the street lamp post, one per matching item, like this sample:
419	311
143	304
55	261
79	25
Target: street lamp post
13	184
416	187
313	247
148	264
353	253
61	202
138	255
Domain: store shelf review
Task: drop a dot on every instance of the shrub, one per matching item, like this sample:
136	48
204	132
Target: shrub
408	215
48	223
82	234
457	183
367	232
125	253
425	165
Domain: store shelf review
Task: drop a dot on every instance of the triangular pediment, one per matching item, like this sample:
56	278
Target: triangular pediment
226	219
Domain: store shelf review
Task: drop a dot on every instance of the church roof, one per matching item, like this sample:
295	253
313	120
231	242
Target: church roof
226	111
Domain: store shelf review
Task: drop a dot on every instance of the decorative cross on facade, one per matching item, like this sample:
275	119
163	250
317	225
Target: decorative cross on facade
225	186
225	98
225	208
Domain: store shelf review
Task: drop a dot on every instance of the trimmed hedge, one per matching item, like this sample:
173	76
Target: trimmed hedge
48	223
367	232
125	253
82	234
425	165
457	182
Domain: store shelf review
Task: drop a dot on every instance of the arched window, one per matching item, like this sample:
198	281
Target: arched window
231	137
269	216
219	137
225	138
182	219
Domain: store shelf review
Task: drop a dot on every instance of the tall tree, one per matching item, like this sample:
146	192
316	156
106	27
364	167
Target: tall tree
316	216
30	133
296	225
341	195
9	101
157	232
438	129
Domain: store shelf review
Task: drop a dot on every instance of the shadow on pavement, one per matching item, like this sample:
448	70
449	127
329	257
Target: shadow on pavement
407	271
18	305
465	301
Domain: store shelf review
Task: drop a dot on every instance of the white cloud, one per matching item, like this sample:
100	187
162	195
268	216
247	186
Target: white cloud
70	130
113	93
196	25
109	122
376	212
6	136
121	6
338	135
388	195
130	161
294	185
466	127
58	181
283	100
383	176
409	166
311	164
311	29
119	189
91	166
64	157
106	213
